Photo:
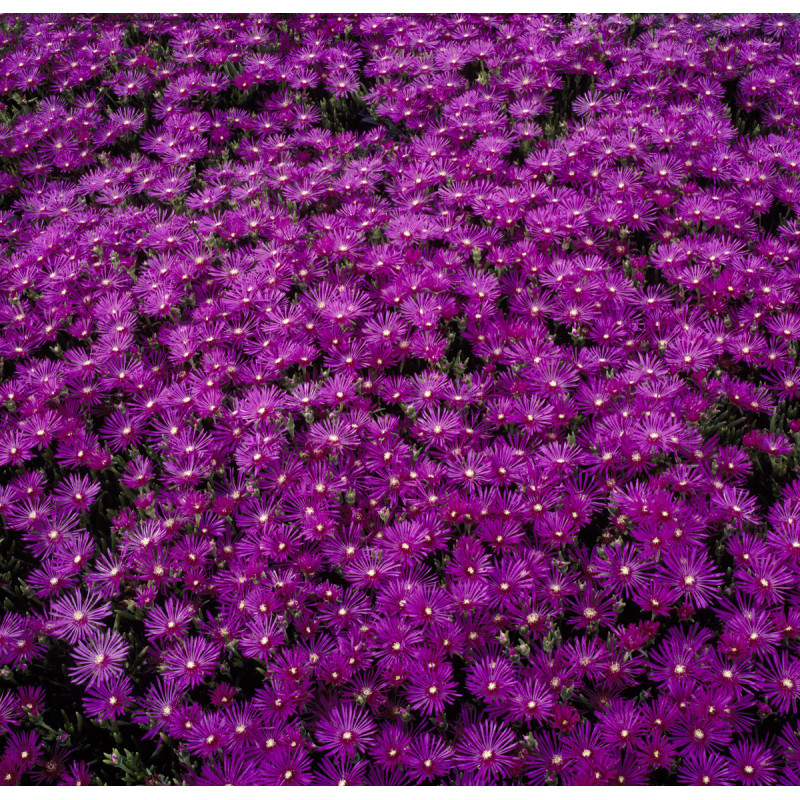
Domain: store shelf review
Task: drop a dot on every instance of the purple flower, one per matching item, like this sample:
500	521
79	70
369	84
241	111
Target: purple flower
432	689
75	618
191	661
752	763
109	698
780	681
99	658
486	750
347	730
428	759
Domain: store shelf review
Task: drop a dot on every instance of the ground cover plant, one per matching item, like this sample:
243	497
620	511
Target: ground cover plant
399	399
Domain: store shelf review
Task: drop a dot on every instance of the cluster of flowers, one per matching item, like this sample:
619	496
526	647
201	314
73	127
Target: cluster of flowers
400	399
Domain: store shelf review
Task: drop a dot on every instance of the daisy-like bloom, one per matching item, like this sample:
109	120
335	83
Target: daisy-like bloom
592	607
657	750
623	570
774	444
404	541
23	748
752	763
555	527
733	675
52	532
77	492
549	758
700	734
10	772
657	597
705	769
287	766
529	700
346	612
780	681
233	769
620	724
27	512
766	579
170	621
428	605
99	658
584	749
76	774
629	770
191	661
431	690
737	505
207	736
486	750
138	472
390	749
589	654
76	617
51	767
345	731
73	554
185	719
471	471
31	699
263	637
394	640
110	698
338	772
12	626
437	426
429	758
676	659
692	574
107	575
491	679
753	629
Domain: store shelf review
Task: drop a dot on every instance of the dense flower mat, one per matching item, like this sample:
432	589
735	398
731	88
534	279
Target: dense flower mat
400	399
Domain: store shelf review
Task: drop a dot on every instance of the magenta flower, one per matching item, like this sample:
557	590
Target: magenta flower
486	751
110	698
347	730
75	618
99	658
191	661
